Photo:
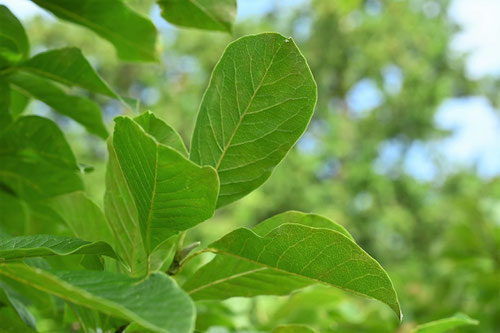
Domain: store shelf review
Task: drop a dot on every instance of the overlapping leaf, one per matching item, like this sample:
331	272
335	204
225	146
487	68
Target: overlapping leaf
83	110
201	14
258	103
36	162
155	303
48	245
14	45
171	193
308	255
68	66
5	116
293	329
133	36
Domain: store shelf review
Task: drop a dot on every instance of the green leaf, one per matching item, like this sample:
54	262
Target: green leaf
36	162
5	116
121	215
133	36
82	110
227	276
18	103
171	193
258	103
293	329
201	14
162	132
48	245
155	303
446	324
82	216
13	214
68	66
18	303
305	253
14	45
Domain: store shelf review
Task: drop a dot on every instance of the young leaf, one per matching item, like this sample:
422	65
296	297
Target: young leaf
68	66
293	329
226	276
83	110
48	245
14	45
201	14
446	324
36	162
171	193
314	254
155	303
258	103
133	36
162	132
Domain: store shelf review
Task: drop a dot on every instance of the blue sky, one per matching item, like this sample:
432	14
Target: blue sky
474	123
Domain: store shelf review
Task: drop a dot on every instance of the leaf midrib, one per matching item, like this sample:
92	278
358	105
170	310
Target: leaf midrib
207	13
226	147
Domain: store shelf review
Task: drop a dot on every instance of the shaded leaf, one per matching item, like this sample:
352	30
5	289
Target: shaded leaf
68	66
227	276
201	14
446	324
258	103
162	132
155	303
36	162
18	103
19	304
171	193
82	110
5	116
14	45
315	254
49	245
133	36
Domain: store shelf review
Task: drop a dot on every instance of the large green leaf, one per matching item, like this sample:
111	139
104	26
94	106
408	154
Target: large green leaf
36	162
201	14
162	132
14	45
171	193
314	254
155	303
18	103
83	110
133	36
49	245
259	102
227	276
68	66
446	324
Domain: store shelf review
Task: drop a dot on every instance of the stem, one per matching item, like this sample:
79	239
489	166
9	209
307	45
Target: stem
188	258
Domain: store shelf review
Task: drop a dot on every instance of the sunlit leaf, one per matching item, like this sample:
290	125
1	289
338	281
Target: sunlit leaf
258	103
200	14
293	329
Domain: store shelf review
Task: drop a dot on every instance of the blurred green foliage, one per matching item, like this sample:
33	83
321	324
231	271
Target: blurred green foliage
439	240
